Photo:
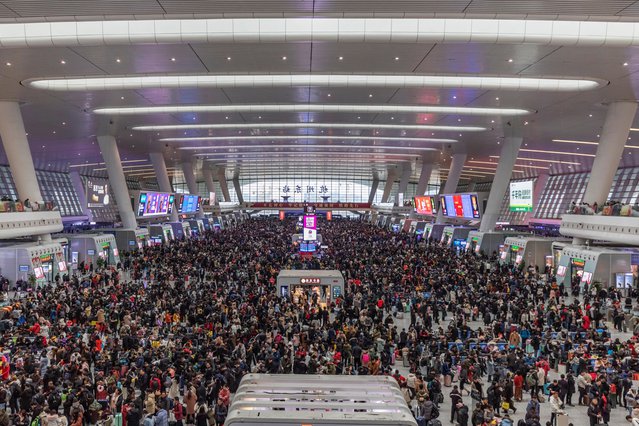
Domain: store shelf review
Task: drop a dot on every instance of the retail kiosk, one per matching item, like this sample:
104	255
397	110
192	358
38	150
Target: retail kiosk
197	226
19	261
487	242
455	236
88	248
591	265
180	229
533	251
327	284
161	233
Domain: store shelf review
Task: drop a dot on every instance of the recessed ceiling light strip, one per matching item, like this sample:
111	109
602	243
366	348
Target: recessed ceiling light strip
336	146
304	137
300	108
136	82
160	128
589	143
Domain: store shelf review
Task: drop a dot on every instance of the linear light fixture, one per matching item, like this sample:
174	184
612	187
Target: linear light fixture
303	137
221	81
301	108
310	126
457	29
305	154
336	146
589	143
516	165
542	151
484	168
542	160
101	164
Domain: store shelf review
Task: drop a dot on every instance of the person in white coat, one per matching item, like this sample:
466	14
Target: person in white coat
556	407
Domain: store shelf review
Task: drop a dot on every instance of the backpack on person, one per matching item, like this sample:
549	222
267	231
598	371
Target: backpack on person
434	422
434	412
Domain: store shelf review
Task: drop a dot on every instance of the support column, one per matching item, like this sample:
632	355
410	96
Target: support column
191	183
611	145
16	146
424	178
456	166
162	176
208	180
540	185
80	190
388	186
503	174
238	190
374	186
220	174
403	182
111	156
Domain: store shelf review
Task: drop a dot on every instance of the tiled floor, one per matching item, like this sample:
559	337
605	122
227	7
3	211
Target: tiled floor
576	415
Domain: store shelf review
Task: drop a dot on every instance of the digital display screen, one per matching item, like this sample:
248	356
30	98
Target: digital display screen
310	234
425	205
521	196
38	272
503	256
307	247
154	204
188	203
24	268
310	221
97	193
586	277
62	266
561	271
460	205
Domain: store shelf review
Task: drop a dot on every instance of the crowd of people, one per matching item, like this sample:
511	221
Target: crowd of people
165	337
609	208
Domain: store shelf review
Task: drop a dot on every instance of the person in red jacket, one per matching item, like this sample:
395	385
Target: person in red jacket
585	322
518	381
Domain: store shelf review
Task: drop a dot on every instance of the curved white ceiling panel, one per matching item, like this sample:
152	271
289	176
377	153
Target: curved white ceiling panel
338	108
132	82
347	30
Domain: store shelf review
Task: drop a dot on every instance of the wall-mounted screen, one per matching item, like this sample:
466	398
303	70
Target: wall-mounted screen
463	206
97	193
188	203
425	205
154	204
521	196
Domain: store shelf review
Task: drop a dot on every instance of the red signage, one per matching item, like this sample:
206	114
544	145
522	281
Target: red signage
282	214
329	215
424	205
332	206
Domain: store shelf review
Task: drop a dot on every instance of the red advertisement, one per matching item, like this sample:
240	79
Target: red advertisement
282	214
424	205
459	206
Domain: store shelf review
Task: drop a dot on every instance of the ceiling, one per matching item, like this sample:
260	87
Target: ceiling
62	128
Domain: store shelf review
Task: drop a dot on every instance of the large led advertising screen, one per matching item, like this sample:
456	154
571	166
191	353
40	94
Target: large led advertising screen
521	196
97	193
425	205
464	206
154	204
188	203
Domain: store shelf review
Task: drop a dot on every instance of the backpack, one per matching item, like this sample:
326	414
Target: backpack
434	422
434	412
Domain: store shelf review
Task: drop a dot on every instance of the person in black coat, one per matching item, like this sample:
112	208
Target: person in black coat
462	414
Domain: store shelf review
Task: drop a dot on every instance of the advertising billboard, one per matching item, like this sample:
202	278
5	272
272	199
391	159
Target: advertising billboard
521	196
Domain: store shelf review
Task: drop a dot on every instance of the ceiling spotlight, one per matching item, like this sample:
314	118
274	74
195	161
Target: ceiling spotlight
122	97
370	95
497	98
510	60
454	97
8	64
62	61
329	95
118	60
227	117
341	58
525	123
284	58
625	64
397	58
589	115
172	59
228	58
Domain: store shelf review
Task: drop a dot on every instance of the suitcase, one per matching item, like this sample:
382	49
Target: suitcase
563	420
447	380
405	362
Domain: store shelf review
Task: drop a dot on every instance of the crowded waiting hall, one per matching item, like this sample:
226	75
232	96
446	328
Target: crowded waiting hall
319	213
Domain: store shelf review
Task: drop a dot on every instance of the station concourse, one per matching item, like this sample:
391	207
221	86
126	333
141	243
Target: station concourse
202	201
